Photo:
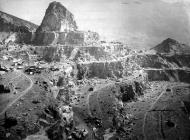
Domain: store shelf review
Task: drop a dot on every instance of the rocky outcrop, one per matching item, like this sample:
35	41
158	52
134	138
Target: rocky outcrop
120	68
130	64
57	18
83	53
15	29
58	27
171	46
113	69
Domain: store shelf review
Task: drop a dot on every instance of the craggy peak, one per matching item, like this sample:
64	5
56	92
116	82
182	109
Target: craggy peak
59	81
57	18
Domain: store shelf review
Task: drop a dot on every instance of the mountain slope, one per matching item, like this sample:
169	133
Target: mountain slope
10	23
171	46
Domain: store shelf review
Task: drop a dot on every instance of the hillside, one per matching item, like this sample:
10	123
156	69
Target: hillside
10	23
171	46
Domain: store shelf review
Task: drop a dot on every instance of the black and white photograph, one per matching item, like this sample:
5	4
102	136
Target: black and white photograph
94	69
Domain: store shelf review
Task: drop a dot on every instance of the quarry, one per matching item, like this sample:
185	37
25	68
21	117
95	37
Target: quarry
61	83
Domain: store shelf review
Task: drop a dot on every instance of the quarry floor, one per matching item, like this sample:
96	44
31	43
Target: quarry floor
160	113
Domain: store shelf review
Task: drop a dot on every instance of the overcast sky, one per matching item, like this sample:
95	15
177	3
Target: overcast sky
140	23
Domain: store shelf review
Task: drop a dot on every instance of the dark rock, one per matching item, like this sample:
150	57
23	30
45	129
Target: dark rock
9	121
4	89
36	101
169	123
56	132
168	90
91	89
171	46
128	93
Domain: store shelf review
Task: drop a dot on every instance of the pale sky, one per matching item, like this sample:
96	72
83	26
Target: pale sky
140	23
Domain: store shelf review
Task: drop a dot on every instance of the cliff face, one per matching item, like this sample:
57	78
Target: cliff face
59	27
100	69
127	66
57	18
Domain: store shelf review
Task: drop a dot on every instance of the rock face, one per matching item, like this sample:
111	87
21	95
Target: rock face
158	67
12	26
51	54
58	27
100	69
57	18
171	46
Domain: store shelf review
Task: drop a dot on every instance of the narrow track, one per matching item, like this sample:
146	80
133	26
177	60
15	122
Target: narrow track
21	94
152	106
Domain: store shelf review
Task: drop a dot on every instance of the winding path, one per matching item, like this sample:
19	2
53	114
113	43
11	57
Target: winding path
21	94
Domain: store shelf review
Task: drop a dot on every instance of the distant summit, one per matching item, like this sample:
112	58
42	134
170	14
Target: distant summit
171	46
57	18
